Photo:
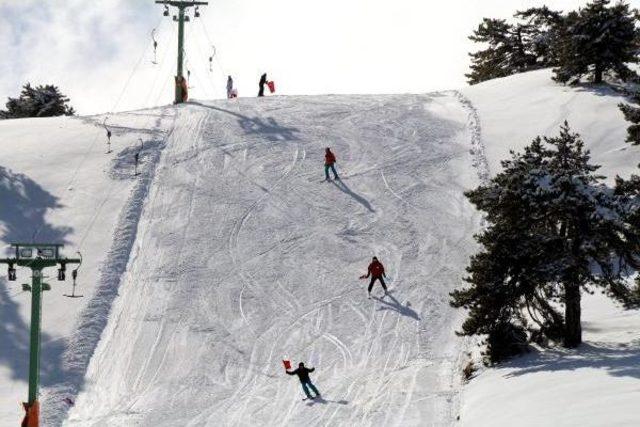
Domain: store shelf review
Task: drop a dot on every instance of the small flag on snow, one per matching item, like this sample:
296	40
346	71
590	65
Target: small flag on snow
287	364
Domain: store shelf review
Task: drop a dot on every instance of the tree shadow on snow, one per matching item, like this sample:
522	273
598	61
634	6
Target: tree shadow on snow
23	207
618	360
267	128
14	351
346	190
602	89
395	305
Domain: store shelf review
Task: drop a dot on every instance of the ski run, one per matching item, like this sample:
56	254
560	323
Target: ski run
228	253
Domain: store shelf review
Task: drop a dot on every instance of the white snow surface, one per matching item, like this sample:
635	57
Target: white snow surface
228	253
599	383
245	257
58	185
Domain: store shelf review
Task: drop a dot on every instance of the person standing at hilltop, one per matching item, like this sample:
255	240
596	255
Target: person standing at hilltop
263	81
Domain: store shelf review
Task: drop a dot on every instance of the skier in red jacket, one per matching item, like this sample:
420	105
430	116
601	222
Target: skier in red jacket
329	163
376	271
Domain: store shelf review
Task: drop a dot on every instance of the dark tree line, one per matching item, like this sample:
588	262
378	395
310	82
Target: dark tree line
601	38
39	101
555	230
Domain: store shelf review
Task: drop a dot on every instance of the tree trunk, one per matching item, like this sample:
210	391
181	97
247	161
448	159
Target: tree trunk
597	74
573	327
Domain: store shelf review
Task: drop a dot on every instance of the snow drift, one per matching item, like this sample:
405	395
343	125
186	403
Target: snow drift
597	384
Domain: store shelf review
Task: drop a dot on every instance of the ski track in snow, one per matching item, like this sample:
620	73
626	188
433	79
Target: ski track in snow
244	257
477	145
81	345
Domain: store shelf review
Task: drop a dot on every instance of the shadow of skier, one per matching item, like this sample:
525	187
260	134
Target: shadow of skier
396	306
346	190
323	401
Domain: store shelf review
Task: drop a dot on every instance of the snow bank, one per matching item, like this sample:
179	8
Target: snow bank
516	109
57	184
596	385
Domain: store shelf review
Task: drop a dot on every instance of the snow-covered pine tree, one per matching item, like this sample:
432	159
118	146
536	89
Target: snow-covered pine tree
513	48
494	61
40	101
598	39
630	188
540	26
554	230
632	115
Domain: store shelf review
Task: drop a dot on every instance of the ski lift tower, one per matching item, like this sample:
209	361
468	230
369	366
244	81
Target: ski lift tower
181	18
37	257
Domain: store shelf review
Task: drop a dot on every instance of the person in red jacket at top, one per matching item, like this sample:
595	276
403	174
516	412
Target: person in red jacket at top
329	163
376	271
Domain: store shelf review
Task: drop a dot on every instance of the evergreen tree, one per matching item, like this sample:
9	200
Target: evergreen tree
601	38
554	230
513	48
40	101
632	114
496	60
540	25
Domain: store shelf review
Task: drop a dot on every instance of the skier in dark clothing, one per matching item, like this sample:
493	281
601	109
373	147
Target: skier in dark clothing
376	271
303	374
263	81
229	87
329	163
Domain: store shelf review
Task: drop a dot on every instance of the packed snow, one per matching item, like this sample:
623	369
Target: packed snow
242	256
57	184
228	253
246	257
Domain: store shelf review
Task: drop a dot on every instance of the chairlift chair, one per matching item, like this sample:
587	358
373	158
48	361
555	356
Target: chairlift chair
74	276
155	47
213	54
108	134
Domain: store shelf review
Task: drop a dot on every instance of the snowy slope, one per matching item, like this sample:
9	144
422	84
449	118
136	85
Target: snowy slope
229	254
58	185
598	384
516	109
245	257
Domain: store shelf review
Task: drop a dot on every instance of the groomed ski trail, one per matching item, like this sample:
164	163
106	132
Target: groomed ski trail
244	257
